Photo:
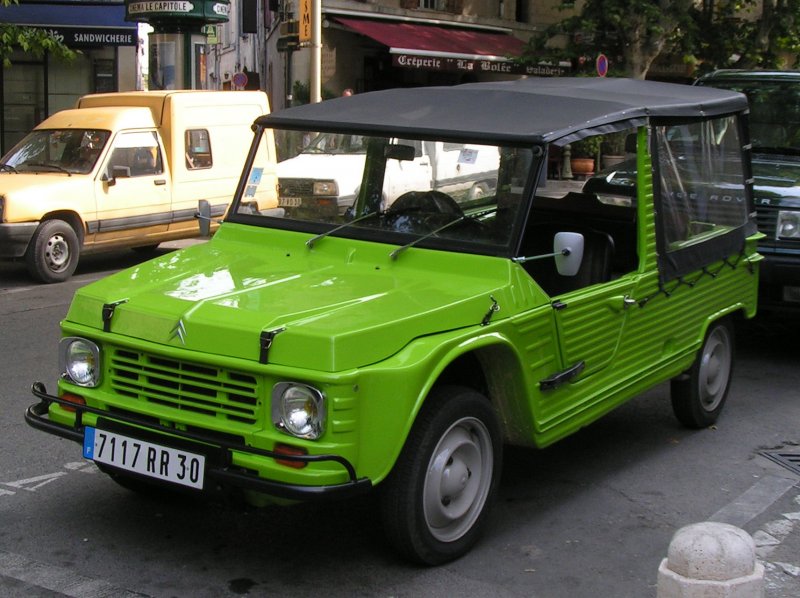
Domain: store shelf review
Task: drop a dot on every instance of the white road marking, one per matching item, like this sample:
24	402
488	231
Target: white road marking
33	484
754	501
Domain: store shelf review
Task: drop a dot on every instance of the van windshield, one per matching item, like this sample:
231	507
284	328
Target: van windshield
53	150
333	143
431	192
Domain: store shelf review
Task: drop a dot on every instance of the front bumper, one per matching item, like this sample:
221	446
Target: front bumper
15	238
218	466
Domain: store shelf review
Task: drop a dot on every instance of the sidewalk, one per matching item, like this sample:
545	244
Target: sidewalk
776	533
770	512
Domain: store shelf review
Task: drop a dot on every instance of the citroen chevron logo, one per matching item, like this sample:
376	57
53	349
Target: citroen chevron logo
179	332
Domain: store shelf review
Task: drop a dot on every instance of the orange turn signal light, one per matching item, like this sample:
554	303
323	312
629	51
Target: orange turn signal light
72	398
286	449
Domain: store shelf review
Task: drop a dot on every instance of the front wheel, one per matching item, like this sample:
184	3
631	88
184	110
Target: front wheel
436	501
699	394
52	255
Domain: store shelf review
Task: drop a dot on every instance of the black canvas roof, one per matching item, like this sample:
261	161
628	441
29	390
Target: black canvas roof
521	111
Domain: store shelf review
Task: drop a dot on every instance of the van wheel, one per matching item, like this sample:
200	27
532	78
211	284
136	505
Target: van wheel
478	190
52	255
436	501
699	394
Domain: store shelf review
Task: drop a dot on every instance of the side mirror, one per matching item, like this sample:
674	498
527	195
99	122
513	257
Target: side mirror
116	173
204	216
568	250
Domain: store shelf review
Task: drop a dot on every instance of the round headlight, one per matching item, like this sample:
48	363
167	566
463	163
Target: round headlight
81	361
298	409
788	225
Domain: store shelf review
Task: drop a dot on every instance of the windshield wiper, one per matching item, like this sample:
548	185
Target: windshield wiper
393	255
475	217
4	166
310	243
53	166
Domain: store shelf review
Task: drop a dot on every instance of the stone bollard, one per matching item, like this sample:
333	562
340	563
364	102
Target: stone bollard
711	560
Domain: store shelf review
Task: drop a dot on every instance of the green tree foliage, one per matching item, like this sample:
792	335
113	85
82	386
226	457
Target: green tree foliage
28	39
707	33
745	33
631	33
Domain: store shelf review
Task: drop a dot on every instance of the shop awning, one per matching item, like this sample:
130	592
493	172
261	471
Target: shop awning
87	25
413	39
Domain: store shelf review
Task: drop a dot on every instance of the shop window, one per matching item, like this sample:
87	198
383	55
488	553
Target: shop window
198	149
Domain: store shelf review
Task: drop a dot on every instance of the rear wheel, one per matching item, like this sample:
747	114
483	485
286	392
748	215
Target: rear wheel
699	394
53	252
436	501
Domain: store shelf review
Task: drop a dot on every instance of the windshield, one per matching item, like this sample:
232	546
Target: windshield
423	192
54	150
333	143
774	113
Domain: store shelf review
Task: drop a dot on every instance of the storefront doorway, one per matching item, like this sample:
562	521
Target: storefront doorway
23	100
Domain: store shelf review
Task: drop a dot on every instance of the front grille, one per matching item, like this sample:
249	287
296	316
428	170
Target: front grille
201	389
767	221
295	187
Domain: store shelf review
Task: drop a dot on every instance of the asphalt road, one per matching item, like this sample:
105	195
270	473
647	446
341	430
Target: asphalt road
590	517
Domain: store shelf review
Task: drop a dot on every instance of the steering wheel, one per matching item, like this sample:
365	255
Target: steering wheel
425	202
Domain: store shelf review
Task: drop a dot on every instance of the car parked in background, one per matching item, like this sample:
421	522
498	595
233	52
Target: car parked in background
123	170
325	177
774	98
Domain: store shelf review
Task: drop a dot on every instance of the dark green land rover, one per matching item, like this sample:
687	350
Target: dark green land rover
775	133
395	348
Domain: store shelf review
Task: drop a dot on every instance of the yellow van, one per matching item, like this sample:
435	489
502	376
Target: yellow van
125	170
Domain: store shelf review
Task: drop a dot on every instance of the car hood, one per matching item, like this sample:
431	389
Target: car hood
344	168
28	187
341	305
777	178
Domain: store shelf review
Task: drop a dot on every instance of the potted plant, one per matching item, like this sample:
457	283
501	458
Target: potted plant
584	152
613	148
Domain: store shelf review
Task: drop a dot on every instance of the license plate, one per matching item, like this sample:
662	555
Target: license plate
145	458
290	202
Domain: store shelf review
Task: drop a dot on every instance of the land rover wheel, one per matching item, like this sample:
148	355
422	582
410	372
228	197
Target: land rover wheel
436	501
52	255
699	394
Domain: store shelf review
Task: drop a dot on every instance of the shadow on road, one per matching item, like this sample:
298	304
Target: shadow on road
92	266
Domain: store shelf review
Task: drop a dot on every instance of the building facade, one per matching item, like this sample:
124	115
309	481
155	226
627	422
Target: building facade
109	54
373	44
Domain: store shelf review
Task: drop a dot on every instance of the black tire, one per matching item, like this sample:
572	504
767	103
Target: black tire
699	394
435	503
52	255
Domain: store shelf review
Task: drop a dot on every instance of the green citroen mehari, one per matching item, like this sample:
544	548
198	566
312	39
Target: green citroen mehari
398	346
